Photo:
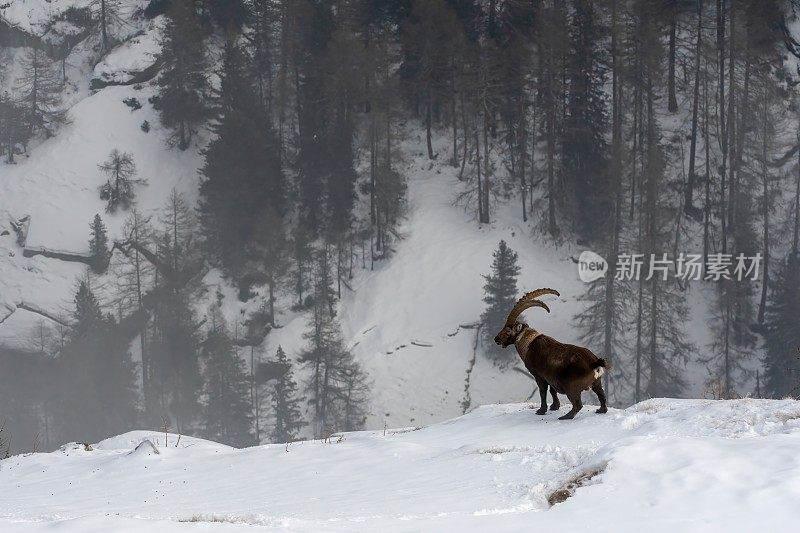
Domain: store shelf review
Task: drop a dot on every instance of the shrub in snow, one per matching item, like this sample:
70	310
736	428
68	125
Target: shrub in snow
133	103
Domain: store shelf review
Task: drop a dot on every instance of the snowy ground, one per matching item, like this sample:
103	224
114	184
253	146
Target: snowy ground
669	465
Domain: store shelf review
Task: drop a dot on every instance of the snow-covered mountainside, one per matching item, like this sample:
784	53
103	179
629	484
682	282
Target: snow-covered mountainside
675	465
410	321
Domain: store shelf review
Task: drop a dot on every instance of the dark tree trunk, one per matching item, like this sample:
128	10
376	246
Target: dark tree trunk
721	115
454	160
478	172
616	176
485	169
637	390
104	24
672	100
428	118
466	140
551	152
731	121
533	153
522	147
689	193
652	223
796	232
707	200
765	210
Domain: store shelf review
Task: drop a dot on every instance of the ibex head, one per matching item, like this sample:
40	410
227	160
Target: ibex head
513	327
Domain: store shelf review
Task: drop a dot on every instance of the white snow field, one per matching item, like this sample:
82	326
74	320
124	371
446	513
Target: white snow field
663	465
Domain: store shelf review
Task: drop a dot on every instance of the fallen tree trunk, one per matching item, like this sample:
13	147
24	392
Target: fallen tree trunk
70	257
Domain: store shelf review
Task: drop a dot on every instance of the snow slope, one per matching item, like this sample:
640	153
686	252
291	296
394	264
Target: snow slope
57	186
686	465
56	183
403	320
411	320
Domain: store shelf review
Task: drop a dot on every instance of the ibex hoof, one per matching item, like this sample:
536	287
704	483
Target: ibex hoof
555	407
541	411
602	410
568	416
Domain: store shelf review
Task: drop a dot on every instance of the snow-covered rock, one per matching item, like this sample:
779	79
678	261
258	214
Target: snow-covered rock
130	58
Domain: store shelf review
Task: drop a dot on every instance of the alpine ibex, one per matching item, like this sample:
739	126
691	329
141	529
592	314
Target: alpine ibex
567	369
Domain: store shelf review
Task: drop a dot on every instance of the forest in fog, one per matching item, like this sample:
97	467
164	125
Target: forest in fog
624	126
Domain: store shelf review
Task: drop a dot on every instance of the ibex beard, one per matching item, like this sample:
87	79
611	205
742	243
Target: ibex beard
564	368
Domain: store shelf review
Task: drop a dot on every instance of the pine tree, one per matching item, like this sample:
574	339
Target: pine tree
117	380
432	37
500	295
285	402
661	345
353	394
134	276
337	387
97	395
108	14
782	336
88	316
301	257
242	171
183	83
12	130
264	15
327	88
118	190
585	147
39	93
180	223
605	308
733	342
552	26
98	245
732	309
173	349
226	414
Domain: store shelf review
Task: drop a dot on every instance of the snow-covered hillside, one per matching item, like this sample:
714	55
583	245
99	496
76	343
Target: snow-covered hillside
55	185
411	320
668	465
404	320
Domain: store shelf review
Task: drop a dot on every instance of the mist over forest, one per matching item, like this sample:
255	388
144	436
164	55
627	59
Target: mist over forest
210	209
